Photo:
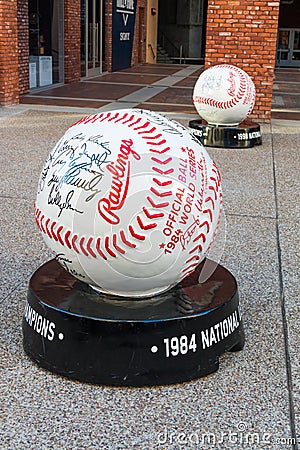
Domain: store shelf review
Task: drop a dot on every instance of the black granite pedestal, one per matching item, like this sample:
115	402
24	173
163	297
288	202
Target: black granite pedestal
246	134
173	337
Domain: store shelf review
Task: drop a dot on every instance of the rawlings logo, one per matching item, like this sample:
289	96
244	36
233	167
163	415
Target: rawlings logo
231	89
120	170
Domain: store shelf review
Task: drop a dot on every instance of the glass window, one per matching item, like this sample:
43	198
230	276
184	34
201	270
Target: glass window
283	40
296	40
45	42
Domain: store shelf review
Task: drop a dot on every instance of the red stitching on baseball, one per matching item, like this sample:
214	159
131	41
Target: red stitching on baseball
128	120
119	249
152	216
89	248
162	183
198	247
98	243
52	231
58	231
37	212
198	205
145	227
160	151
157	143
123	237
147	131
48	232
105	117
157	205
82	247
121	118
159	161
42	228
162	172
196	257
135	235
67	234
209	199
134	123
107	248
160	194
214	191
152	137
142	126
187	274
202	236
113	117
217	183
74	239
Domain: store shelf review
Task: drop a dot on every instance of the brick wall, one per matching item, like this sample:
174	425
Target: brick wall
72	40
139	41
23	51
244	33
107	63
9	73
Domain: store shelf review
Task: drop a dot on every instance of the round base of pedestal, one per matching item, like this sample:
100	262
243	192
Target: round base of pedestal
173	337
246	134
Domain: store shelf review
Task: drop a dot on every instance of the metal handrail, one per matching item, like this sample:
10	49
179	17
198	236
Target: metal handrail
152	51
172	50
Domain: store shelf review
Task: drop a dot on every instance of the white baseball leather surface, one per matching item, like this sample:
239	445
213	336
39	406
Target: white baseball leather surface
224	95
129	201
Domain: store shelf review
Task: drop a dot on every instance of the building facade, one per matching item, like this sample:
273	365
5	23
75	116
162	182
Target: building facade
45	42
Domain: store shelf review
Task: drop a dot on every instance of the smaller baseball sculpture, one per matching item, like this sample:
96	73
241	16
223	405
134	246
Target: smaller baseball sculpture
224	97
130	203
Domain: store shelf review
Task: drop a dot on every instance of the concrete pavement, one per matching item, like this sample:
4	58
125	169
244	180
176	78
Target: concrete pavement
252	402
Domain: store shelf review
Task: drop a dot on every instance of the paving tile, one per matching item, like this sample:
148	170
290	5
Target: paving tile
22	245
285	115
287	87
291	101
161	69
44	100
117	77
89	90
175	96
289	236
284	74
247	178
286	155
187	82
143	94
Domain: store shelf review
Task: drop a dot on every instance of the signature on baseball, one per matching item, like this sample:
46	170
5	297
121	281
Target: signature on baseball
120	170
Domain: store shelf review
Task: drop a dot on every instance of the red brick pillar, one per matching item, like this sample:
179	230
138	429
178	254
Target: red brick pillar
107	63
23	39
72	40
244	33
139	39
9	74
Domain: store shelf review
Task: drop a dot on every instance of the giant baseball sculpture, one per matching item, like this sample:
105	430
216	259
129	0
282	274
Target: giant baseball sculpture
130	203
224	97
